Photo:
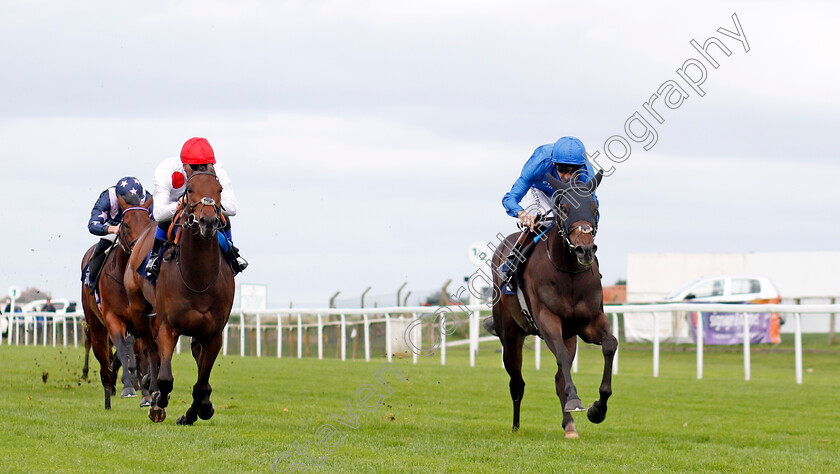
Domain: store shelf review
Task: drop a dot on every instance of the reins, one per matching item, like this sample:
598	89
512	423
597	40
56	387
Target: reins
186	215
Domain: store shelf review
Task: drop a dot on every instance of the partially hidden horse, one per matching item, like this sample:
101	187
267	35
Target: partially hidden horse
193	295
561	285
106	320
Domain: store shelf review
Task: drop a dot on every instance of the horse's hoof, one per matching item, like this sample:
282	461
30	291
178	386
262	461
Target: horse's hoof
145	402
182	420
514	429
573	405
157	414
206	412
596	413
571	432
128	392
146	381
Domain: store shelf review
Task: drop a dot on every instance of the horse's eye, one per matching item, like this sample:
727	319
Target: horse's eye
189	189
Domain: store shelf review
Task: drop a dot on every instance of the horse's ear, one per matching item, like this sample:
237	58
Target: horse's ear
148	203
596	181
123	205
555	183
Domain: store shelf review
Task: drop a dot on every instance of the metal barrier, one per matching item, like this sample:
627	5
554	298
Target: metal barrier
441	320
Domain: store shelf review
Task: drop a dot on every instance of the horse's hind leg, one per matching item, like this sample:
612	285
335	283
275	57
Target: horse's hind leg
512	358
598	410
202	407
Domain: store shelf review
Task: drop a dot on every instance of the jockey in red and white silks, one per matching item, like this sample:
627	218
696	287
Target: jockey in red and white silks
170	184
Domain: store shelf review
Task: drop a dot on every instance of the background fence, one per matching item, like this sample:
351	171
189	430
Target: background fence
396	331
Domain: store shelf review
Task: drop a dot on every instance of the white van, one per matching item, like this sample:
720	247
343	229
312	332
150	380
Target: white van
677	327
728	289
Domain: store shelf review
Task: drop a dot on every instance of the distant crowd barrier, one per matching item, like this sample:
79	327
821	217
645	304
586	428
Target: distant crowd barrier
414	331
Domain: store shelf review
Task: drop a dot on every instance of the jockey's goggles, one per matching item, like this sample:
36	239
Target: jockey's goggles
563	168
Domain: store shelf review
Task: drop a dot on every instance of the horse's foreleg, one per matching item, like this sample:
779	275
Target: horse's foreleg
166	340
568	421
598	411
512	357
202	407
552	334
86	369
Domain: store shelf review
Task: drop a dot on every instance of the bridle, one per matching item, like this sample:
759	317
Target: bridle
122	234
190	220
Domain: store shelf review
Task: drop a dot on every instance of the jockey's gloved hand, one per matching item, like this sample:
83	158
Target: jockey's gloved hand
526	220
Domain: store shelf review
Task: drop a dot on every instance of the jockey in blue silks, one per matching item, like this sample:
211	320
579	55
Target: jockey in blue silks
531	194
105	219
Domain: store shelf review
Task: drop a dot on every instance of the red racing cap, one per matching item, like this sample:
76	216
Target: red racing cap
197	151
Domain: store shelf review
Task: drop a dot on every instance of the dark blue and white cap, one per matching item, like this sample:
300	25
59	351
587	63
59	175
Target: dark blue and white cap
130	189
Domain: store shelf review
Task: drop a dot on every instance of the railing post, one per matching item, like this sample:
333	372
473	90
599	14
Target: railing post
300	337
415	338
797	344
367	337
616	331
747	370
575	356
241	334
35	331
700	336
537	352
388	348
55	331
344	338
656	345
75	333
279	336
442	330
259	335
64	331
225	337
320	337
178	346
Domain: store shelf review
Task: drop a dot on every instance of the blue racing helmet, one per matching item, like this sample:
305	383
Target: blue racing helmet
569	151
130	189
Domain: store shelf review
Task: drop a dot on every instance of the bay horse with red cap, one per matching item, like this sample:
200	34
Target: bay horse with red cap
561	287
106	321
193	295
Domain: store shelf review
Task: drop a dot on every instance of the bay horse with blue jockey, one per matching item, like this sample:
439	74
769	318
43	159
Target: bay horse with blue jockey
560	299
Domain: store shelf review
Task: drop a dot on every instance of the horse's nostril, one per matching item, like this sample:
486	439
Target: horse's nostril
579	250
594	249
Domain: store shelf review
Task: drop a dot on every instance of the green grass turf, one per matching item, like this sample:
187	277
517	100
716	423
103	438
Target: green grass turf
452	418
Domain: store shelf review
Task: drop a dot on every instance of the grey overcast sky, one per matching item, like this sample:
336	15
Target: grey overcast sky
370	142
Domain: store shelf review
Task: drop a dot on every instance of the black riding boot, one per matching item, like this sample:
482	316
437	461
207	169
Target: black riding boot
97	259
237	263
153	266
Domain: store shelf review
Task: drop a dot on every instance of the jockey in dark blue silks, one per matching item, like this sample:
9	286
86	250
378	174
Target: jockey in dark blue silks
530	196
105	218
